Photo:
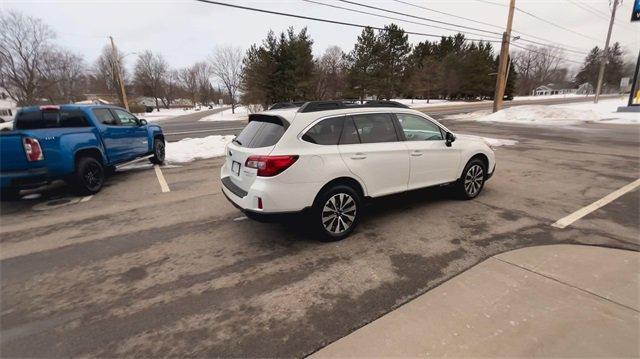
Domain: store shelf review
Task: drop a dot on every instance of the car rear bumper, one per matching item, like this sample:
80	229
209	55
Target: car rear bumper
25	179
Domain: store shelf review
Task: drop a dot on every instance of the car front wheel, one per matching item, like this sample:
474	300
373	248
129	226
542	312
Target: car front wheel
336	212
472	181
158	152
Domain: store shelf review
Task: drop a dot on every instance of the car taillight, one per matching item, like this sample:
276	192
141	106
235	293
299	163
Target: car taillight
269	166
32	149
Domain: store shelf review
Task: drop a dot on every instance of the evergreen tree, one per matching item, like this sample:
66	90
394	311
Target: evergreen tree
362	63
614	69
394	49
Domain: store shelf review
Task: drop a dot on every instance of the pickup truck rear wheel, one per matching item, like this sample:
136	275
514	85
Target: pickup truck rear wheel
158	152
89	177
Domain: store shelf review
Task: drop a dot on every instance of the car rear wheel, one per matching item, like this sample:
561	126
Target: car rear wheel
158	152
89	177
336	213
472	181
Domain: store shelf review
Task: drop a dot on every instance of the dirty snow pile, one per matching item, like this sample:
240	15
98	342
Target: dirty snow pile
241	113
565	114
190	149
498	142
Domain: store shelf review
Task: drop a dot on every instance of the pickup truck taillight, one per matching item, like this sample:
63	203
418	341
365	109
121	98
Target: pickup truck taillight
32	149
269	166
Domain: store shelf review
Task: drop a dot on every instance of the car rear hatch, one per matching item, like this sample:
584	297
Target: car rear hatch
258	138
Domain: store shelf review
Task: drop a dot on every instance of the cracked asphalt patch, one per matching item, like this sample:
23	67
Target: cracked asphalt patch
137	272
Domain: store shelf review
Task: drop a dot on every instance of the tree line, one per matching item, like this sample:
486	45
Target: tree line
383	64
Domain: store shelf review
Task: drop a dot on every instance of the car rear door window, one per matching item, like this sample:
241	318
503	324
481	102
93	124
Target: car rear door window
262	131
375	128
325	132
104	116
349	133
417	128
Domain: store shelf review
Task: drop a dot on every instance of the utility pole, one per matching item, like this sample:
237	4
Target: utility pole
605	55
501	78
116	63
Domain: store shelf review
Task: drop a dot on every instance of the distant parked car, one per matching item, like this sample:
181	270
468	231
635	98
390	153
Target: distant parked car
148	109
77	143
324	158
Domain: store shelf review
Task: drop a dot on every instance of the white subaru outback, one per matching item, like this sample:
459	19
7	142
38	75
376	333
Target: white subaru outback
326	157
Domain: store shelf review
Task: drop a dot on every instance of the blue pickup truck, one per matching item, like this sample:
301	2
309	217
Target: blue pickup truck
75	143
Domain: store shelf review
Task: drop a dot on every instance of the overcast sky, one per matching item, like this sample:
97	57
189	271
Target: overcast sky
188	31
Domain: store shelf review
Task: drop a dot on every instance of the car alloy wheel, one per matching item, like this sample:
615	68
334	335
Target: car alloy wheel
473	180
160	150
339	213
92	175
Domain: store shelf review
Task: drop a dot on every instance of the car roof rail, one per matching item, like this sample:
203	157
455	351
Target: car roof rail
315	106
282	105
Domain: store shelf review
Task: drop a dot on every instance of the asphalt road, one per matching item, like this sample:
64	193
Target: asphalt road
136	272
186	126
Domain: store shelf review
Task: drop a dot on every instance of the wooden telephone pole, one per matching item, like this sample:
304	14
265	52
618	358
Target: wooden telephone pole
116	64
605	55
501	78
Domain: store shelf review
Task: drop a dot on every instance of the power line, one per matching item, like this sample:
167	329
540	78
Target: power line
421	18
351	24
393	18
496	26
541	19
598	13
547	54
326	20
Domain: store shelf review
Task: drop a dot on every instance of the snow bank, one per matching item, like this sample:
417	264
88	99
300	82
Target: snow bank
165	114
565	114
190	149
241	113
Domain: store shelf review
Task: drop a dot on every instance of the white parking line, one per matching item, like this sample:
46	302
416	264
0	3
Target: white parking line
86	198
562	223
163	183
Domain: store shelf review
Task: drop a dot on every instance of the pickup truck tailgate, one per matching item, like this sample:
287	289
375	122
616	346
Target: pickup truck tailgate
12	155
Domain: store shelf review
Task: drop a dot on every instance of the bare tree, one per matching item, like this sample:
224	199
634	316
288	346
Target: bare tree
150	73
105	73
189	81
226	66
171	87
64	75
538	66
24	41
330	74
202	72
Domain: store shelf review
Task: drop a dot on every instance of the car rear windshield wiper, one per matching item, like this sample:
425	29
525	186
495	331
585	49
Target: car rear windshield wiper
236	141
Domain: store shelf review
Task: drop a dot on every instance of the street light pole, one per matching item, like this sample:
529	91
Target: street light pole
501	79
605	55
116	62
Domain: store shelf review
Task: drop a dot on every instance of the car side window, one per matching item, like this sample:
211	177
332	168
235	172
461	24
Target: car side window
349	133
125	118
417	128
375	128
325	132
105	116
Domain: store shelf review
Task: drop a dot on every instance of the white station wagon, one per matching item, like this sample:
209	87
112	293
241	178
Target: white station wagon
326	157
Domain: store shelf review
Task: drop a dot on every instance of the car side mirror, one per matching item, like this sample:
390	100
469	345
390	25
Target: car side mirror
449	138
142	122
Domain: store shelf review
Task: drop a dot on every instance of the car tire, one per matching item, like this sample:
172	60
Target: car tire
158	151
472	180
89	176
9	194
335	213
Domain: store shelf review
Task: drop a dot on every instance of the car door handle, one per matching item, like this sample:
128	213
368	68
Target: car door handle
416	153
359	156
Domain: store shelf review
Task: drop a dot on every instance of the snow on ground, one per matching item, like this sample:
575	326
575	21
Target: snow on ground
241	113
498	142
190	149
6	126
165	114
564	114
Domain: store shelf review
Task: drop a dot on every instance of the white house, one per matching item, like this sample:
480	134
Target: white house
553	89
8	107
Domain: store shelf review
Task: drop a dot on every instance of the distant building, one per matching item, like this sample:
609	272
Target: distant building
554	89
8	107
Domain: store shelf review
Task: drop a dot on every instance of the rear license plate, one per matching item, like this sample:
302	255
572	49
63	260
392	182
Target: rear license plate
235	168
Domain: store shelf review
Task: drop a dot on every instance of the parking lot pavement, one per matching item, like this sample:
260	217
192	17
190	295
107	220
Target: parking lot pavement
137	271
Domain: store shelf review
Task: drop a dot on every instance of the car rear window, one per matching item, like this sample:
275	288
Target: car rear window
33	120
325	132
262	131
